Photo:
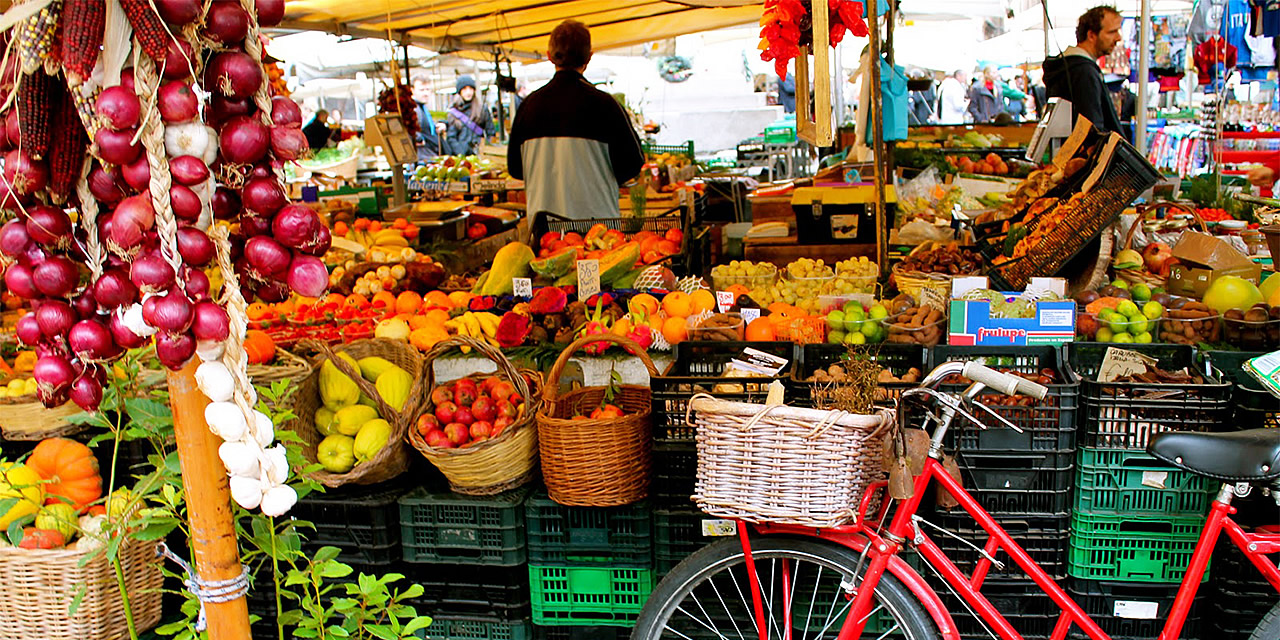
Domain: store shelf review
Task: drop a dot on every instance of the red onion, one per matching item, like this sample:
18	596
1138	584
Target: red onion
12	130
171	312
289	143
178	103
243	140
150	273
179	12
86	392
252	224
135	210
174	350
226	23
28	329
34	256
53	376
56	277
222	108
285	112
274	291
18	279
124	240
261	170
295	226
121	334
14	239
24	175
117	147
188	170
114	289
137	174
267	257
185	203
195	246
319	244
91	340
270	12
233	74
8	199
50	226
85	304
126	80
263	196
226	203
55	318
210	322
179	60
197	283
308	276
105	185
118	108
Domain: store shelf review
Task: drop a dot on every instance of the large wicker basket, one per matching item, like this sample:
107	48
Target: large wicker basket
596	462
492	466
25	418
784	464
39	586
392	459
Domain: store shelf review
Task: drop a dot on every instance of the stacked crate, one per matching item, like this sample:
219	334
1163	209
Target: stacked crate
469	554
1022	479
1137	520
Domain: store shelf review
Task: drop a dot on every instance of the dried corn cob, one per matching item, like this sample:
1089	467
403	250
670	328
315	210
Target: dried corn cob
148	29
34	111
83	22
36	37
67	149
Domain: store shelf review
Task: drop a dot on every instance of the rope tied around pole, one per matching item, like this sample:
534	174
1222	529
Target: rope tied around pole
207	590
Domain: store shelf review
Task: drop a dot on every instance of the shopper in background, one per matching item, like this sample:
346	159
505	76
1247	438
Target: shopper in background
953	98
428	141
1076	76
921	102
1015	98
317	131
571	143
787	93
469	120
986	100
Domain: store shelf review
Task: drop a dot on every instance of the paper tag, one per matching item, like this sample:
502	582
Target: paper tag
760	362
719	528
1122	362
931	297
1136	610
1104	161
588	278
724	300
964	284
748	315
522	287
1155	479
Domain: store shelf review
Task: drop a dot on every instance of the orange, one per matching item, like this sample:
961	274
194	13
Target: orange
702	300
375	226
435	299
644	303
361	224
408	302
677	304
418	322
438	316
460	298
384	299
761	330
738	290
675	330
674	234
334	300
287	307
340	229
356	300
400	223
257	311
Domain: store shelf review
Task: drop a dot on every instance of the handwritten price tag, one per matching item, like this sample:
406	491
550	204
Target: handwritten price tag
522	287
588	279
724	300
749	315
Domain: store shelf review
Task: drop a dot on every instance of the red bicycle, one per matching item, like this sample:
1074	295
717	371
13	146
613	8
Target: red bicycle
792	582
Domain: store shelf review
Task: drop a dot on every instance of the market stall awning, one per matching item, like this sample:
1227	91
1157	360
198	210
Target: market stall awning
519	28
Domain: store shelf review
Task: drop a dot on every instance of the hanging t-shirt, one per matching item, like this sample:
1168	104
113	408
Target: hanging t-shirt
1266	17
1235	28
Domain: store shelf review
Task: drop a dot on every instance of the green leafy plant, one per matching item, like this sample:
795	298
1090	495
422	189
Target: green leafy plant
365	608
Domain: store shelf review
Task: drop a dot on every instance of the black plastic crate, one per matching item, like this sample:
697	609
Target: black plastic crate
451	626
1253	406
541	632
697	369
442	526
1047	425
1044	539
1130	610
675	471
468	590
897	358
1124	415
677	533
618	536
1027	608
361	521
1033	483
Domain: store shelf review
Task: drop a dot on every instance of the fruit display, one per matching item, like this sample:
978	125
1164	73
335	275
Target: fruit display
744	277
558	252
19	387
389	243
1042	377
854	324
1124	313
717	327
457	169
463	413
991	164
354	432
950	259
855	275
1191	323
1254	329
917	325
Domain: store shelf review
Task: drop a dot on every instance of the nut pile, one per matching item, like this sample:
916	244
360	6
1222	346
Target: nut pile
917	325
1257	329
719	327
1192	323
949	259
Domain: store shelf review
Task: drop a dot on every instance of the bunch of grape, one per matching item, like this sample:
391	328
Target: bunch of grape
806	280
758	277
855	275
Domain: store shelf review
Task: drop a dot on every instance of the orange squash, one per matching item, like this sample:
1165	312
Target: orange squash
33	538
71	470
259	346
257	311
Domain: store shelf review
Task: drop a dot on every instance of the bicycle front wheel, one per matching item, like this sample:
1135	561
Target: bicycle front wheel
804	590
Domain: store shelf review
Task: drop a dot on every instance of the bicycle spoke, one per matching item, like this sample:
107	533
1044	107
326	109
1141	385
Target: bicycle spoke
813	600
754	623
732	618
706	625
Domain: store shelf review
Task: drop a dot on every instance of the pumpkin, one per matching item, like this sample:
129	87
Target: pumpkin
70	469
25	362
258	311
33	538
259	346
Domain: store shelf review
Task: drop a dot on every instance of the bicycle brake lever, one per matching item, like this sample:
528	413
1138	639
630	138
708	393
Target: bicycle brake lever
997	416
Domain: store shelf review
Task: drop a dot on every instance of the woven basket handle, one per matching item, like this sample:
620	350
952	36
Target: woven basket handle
366	387
552	386
505	367
1152	209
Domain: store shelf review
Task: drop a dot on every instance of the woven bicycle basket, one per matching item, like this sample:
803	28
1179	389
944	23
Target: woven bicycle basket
784	464
498	464
40	584
600	462
392	459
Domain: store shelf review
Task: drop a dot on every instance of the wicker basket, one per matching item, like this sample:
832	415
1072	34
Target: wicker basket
39	586
911	282
24	418
784	464
394	457
596	463
493	466
1142	276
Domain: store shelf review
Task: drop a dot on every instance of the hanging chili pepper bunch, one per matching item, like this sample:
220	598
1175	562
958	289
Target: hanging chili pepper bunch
787	25
112	246
399	100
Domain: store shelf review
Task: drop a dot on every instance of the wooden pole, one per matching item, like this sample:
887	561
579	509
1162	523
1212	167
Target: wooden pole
213	534
877	134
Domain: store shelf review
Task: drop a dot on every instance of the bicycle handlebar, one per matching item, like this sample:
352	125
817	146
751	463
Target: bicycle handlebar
1003	382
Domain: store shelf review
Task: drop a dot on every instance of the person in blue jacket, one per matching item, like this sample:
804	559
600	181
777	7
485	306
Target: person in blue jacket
428	141
469	120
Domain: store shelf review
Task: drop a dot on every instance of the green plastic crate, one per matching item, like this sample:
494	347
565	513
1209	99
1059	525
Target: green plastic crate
442	526
685	149
1124	481
447	627
609	535
588	595
1132	548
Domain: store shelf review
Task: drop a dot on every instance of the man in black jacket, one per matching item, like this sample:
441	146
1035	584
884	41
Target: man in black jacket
1075	74
571	143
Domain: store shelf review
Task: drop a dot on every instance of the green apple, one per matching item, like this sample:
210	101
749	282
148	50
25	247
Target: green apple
1138	324
1143	338
1122	338
853	321
1120	283
336	453
835	320
878	312
835	337
1152	310
855	338
1127	308
870	329
1140	292
1104	335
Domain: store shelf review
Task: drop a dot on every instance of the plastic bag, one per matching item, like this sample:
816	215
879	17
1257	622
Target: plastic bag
918	232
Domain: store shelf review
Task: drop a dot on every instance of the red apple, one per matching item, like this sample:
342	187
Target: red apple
445	412
464	416
499	425
441	395
503	391
505	409
488	384
457	433
464	396
481	429
427	422
437	439
484	409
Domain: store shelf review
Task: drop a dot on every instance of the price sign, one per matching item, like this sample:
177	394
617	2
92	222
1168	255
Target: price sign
588	279
481	186
749	315
931	297
724	300
1118	363
522	287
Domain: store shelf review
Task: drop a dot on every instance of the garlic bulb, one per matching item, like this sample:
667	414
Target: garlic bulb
240	459
278	500
226	420
277	465
247	492
211	149
215	381
188	139
132	319
263	431
210	350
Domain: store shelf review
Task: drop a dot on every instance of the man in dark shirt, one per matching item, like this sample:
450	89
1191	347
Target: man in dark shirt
571	143
317	131
1076	76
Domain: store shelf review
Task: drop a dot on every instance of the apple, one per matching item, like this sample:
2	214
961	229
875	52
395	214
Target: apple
503	391
481	429
427	422
445	412
436	439
483	409
505	409
457	433
499	425
489	383
441	395
463	415
464	395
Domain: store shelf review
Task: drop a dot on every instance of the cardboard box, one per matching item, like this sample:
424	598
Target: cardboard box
971	322
1202	259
